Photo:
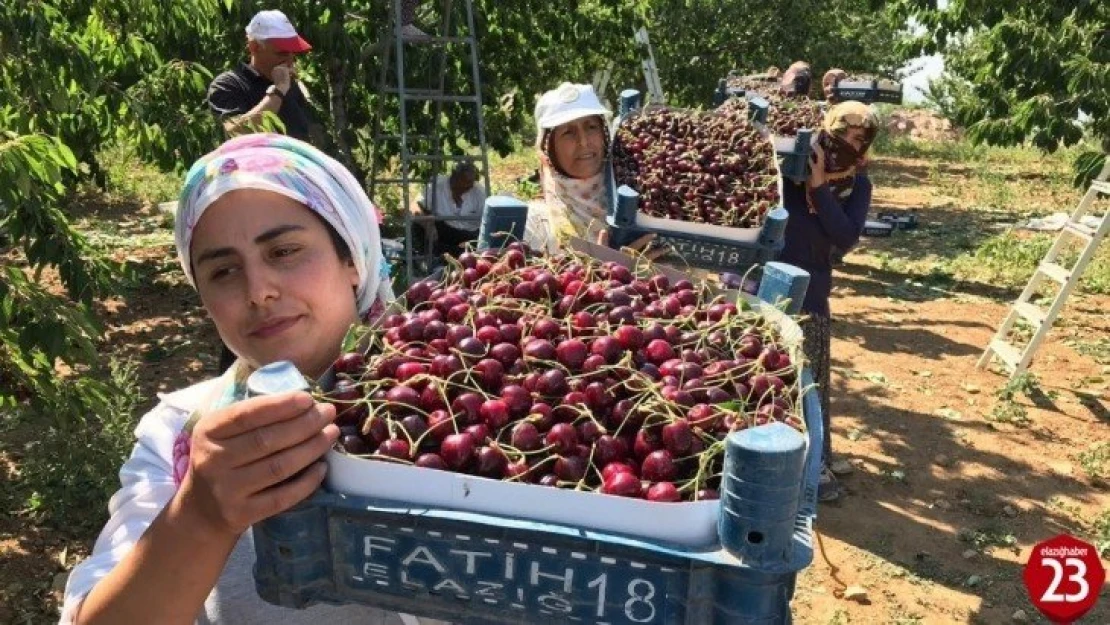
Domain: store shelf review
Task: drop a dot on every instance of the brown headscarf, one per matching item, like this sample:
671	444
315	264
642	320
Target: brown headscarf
842	159
828	80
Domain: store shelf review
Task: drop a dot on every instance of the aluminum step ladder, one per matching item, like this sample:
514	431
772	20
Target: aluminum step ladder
1016	359
424	82
651	70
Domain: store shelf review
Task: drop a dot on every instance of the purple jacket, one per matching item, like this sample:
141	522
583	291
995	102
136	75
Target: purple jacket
810	238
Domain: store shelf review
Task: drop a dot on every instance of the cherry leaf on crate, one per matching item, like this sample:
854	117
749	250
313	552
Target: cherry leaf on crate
732	405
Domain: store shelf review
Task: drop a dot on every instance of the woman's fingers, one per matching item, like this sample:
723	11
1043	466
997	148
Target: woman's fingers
250	414
280	498
270	439
603	238
276	468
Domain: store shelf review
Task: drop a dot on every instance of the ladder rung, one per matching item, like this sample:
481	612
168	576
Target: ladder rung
444	157
431	95
1030	312
430	40
1079	231
1102	186
1006	352
1054	271
399	137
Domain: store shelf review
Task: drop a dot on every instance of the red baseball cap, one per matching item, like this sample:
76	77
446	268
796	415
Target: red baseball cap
275	28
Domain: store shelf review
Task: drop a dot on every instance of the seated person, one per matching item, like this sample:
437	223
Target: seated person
457	195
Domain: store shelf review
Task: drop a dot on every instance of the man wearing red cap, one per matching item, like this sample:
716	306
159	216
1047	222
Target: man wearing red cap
242	96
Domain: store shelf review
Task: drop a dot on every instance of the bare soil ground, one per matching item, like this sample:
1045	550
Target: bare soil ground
944	503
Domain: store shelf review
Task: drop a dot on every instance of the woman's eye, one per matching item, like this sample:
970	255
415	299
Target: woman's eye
220	273
285	252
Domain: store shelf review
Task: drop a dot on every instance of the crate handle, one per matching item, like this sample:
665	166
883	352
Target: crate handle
815	426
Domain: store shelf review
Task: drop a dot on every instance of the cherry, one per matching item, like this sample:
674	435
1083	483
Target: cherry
658	466
351	363
431	461
354	444
572	353
457	450
659	351
622	484
395	448
663	491
517	398
630	337
495	413
525	436
562	438
492	462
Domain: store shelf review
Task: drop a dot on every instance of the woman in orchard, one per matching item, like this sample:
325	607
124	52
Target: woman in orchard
826	212
572	139
283	247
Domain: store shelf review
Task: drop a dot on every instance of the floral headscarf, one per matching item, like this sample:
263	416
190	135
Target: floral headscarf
842	159
295	169
284	165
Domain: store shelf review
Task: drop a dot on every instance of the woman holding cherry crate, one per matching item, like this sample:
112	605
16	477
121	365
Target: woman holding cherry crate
283	247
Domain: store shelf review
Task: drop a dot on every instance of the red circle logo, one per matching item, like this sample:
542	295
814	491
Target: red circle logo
1064	576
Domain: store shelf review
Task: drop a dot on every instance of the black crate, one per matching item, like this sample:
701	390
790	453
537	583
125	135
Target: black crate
868	91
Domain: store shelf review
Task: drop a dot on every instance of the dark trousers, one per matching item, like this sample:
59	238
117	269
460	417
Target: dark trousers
450	240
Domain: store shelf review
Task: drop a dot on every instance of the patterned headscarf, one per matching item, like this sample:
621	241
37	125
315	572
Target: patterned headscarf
295	169
842	159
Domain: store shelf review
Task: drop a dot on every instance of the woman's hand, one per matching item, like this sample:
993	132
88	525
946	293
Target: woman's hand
817	167
246	460
641	245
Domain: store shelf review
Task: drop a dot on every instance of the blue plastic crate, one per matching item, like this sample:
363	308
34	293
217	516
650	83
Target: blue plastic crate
794	155
746	247
503	221
477	569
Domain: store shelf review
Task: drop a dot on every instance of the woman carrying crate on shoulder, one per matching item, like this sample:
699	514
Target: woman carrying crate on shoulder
572	141
283	247
827	212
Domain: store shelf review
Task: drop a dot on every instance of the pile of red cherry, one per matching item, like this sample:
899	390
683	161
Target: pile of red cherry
564	371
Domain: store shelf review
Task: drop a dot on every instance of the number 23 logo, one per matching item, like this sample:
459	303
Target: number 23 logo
1052	594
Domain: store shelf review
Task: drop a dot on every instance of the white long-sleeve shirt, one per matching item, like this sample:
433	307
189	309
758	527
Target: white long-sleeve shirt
440	201
147	486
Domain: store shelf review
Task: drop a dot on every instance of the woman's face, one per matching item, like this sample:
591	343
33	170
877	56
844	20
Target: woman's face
270	277
856	137
578	146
